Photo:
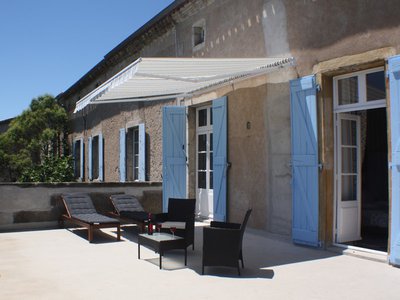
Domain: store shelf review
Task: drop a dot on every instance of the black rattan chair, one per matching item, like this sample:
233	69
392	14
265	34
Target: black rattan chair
222	244
180	215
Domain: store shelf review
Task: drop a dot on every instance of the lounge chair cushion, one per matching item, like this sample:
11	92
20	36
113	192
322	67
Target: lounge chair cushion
78	204
135	215
94	218
126	203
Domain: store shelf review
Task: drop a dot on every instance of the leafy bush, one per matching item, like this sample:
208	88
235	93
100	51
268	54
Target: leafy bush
53	169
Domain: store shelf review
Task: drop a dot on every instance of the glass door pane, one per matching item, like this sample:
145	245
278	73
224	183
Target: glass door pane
202	161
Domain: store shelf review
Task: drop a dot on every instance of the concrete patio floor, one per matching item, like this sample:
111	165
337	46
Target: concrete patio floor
62	264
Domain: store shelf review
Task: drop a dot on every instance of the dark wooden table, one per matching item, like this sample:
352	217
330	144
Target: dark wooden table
161	242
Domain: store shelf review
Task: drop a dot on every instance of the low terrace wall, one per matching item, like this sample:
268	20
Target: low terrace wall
26	206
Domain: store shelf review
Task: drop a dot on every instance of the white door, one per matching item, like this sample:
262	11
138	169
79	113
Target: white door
204	162
348	164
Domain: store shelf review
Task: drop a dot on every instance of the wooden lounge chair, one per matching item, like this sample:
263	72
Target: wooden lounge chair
222	244
128	209
81	211
181	216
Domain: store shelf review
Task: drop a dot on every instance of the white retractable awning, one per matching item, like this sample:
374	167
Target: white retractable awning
170	78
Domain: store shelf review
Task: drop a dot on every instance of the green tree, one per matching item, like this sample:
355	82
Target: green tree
34	146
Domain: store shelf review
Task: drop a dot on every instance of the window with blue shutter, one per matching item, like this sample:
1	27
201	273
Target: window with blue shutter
394	86
135	153
96	158
76	154
174	153
305	173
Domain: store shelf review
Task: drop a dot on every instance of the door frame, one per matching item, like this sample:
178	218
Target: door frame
362	105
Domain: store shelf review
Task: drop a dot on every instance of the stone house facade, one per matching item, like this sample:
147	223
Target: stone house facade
304	143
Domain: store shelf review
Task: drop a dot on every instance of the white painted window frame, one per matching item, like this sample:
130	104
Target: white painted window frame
362	92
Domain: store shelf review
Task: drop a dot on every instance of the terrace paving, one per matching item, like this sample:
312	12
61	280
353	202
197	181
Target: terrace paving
62	264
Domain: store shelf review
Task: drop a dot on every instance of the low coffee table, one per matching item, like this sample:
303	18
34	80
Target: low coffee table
161	242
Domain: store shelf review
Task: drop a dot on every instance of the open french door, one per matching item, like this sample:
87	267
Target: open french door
348	165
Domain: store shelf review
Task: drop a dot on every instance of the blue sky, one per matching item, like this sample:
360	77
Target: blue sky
47	45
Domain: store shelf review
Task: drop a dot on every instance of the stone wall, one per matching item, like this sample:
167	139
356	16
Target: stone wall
34	206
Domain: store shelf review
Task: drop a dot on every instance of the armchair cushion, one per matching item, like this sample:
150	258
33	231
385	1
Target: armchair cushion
177	225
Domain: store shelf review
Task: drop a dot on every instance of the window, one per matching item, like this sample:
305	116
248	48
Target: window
132	153
199	34
78	154
96	158
360	90
204	148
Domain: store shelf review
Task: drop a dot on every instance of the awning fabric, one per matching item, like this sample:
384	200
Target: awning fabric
169	78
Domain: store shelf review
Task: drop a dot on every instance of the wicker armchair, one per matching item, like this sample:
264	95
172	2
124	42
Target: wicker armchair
222	244
181	216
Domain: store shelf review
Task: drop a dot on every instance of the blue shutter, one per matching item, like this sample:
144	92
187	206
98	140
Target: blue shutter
394	84
90	175
74	156
122	155
304	161
101	158
219	112
82	164
174	153
142	153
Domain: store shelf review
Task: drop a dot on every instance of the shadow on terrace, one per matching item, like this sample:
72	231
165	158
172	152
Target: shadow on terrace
262	252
